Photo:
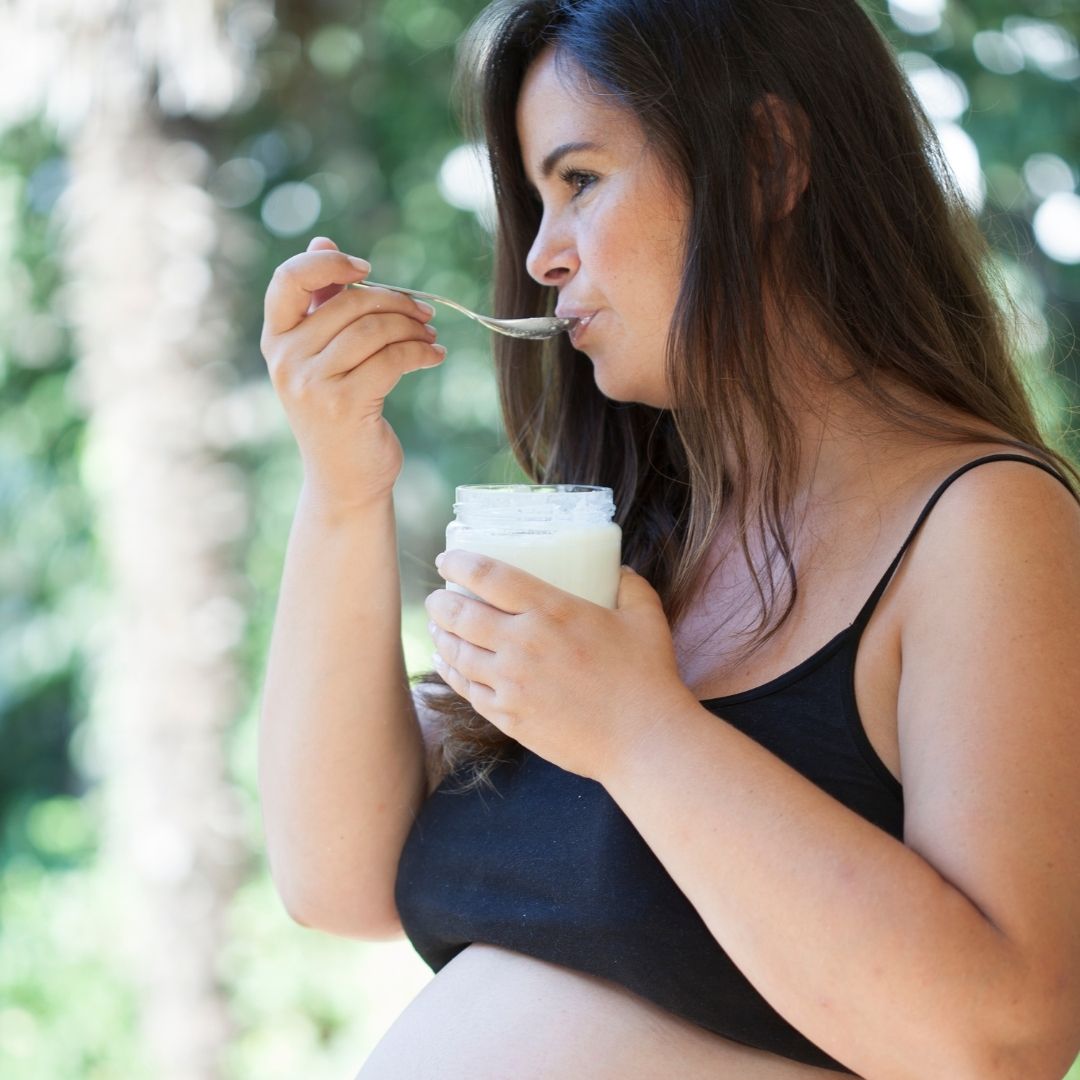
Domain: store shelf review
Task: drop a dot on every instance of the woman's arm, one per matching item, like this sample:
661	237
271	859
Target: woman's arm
341	756
957	953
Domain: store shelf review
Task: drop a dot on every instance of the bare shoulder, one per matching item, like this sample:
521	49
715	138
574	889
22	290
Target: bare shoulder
997	501
986	711
1003	532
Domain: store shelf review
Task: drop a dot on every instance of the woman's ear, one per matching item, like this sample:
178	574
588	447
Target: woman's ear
782	141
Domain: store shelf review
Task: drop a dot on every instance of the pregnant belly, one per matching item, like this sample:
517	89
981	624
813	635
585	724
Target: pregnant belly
492	1014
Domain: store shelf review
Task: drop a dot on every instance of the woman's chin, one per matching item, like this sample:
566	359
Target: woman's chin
612	382
629	395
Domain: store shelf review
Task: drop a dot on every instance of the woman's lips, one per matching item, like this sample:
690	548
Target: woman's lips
579	328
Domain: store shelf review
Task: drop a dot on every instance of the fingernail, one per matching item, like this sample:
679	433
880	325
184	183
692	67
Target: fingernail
427	309
432	332
360	264
439	559
431	628
440	349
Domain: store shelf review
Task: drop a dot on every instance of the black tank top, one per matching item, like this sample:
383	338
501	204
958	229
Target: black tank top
551	867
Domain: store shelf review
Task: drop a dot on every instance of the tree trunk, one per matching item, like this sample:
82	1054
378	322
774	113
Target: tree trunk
152	339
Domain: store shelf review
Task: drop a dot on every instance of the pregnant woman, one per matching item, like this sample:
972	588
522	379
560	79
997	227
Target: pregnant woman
807	801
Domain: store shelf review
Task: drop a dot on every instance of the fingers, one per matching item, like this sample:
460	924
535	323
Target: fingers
472	663
475	665
383	346
504	586
380	371
362	310
317	328
297	280
456	616
479	695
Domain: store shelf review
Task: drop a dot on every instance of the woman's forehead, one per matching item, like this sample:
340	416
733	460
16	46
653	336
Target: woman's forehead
558	105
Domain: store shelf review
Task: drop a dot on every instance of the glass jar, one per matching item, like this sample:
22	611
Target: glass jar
561	533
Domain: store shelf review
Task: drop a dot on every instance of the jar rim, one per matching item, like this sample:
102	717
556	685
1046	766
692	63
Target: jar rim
532	488
534	503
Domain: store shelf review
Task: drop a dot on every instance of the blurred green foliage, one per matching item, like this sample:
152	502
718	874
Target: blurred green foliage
346	138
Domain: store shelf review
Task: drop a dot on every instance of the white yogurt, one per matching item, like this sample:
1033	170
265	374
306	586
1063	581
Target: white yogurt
561	533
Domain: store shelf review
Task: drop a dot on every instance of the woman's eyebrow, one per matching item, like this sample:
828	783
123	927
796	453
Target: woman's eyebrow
547	166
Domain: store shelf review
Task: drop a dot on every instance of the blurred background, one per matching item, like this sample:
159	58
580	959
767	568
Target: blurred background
157	161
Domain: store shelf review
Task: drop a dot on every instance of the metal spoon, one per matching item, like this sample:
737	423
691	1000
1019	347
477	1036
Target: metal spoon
534	329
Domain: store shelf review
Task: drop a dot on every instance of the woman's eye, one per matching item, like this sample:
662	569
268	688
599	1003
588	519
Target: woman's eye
577	180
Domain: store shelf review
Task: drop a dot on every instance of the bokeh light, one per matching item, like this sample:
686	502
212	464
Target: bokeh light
335	49
963	157
1048	45
465	181
237	182
997	52
291	209
1057	227
1048	174
917	16
942	93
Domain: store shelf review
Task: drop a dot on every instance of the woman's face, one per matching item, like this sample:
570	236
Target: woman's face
611	239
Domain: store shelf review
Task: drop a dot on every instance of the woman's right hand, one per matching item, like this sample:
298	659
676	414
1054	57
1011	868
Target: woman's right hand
334	353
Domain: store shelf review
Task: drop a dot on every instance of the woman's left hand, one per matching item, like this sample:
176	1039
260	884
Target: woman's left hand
576	683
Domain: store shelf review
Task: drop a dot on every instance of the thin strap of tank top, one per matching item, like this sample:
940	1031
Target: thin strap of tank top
864	616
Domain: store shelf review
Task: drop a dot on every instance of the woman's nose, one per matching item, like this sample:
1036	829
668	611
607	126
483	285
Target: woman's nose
552	257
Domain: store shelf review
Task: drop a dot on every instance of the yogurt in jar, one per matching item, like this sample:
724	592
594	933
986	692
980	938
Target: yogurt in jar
561	533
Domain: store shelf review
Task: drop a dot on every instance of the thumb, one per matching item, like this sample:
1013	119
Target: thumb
320	296
633	588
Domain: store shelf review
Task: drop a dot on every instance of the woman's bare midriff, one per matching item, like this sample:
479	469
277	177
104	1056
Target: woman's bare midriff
491	1014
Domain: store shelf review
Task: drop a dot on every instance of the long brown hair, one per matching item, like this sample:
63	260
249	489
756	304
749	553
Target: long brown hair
881	251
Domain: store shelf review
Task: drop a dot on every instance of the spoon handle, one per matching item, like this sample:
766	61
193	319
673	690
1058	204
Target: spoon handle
417	293
536	328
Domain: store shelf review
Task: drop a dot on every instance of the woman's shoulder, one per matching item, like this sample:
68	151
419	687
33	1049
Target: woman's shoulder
946	459
974	472
941	514
916	466
982	510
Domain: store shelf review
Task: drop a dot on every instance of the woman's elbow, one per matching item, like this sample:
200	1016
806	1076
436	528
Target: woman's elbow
1048	1053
